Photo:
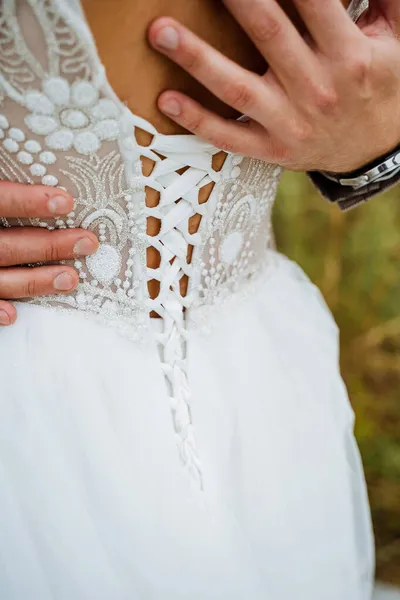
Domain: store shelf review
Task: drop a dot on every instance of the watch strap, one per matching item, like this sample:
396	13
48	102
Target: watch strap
380	169
345	196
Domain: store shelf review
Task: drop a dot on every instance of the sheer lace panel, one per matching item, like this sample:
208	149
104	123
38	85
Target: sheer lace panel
60	128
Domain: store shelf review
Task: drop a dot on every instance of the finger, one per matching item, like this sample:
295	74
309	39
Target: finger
271	30
8	314
31	201
25	245
330	26
231	136
237	87
24	282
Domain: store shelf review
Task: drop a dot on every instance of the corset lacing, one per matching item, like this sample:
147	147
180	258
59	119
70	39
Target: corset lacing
179	201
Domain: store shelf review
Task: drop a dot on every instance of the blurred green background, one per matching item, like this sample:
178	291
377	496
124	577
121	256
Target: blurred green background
354	258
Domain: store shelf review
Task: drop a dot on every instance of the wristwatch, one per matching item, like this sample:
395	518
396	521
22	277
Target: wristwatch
380	169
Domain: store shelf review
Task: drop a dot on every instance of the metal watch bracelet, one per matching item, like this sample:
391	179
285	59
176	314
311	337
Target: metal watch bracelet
380	169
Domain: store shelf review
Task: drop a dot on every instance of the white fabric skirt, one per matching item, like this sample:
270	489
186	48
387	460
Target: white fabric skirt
95	503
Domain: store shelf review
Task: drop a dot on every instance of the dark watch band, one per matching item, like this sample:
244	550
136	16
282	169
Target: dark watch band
383	168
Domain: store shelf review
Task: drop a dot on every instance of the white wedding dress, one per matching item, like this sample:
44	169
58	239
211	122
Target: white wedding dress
207	454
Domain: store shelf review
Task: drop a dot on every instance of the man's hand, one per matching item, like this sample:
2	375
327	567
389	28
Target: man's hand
25	245
330	99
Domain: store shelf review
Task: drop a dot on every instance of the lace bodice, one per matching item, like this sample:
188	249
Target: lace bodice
61	124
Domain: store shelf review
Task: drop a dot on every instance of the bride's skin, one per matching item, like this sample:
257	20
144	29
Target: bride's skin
138	74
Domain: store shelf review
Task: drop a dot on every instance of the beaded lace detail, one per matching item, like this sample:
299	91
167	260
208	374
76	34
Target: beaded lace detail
61	124
59	127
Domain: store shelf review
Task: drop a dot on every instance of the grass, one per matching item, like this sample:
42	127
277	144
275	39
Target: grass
354	258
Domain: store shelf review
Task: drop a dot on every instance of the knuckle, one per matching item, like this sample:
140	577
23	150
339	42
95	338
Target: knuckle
194	122
302	133
265	29
192	61
4	290
279	152
31	288
359	67
223	144
7	255
326	100
27	208
238	95
52	252
20	198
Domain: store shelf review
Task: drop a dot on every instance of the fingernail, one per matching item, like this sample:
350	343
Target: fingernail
63	282
171	107
59	205
84	247
167	38
4	318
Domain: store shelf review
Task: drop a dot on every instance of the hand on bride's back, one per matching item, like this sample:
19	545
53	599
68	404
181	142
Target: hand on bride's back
21	246
329	101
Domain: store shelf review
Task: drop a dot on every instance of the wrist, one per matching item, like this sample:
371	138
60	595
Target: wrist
384	167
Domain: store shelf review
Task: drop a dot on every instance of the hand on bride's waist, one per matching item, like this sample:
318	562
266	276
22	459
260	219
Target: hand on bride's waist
30	245
330	100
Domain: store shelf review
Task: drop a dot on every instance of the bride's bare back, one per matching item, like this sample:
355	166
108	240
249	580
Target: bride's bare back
138	74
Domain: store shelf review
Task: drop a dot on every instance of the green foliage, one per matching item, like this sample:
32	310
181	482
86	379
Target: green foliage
354	258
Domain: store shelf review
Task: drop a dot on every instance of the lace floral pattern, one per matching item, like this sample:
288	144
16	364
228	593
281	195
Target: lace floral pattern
59	128
71	116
